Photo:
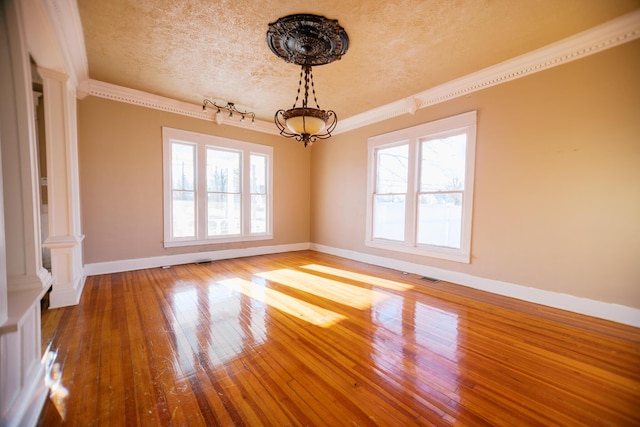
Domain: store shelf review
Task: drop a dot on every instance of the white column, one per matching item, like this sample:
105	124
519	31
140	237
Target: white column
65	237
23	280
20	173
4	296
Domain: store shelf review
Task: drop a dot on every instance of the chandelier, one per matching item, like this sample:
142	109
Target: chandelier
307	40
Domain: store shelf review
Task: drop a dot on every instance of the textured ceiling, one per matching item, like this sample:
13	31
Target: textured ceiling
189	49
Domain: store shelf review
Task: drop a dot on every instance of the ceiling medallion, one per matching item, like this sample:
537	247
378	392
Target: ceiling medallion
307	40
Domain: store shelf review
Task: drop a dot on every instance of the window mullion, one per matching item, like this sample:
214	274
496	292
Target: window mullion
245	194
411	197
201	192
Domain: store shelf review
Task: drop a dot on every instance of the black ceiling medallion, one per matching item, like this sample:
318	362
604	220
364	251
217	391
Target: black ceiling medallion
307	40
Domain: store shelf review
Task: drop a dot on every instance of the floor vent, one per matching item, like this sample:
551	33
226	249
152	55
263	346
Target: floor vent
430	279
203	261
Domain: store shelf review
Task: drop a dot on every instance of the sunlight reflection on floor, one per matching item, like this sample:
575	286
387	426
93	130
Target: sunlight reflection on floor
302	310
334	290
364	278
58	393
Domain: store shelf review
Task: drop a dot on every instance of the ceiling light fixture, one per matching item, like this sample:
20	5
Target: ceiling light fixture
231	108
307	40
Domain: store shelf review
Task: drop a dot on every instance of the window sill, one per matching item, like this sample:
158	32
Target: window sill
432	252
216	241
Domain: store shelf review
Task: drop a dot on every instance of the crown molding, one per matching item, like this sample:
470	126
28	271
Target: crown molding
55	38
67	25
148	100
610	34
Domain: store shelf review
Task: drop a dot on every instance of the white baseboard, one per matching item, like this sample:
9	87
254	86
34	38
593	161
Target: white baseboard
26	409
160	261
67	296
614	312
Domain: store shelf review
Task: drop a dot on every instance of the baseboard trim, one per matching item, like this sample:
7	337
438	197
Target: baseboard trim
602	310
188	258
26	409
67	296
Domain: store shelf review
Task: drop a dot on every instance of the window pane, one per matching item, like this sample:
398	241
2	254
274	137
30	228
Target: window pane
223	171
388	217
183	214
223	214
182	166
443	164
258	214
392	169
440	219
258	174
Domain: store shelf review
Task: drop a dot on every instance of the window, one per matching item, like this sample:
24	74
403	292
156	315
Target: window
215	189
420	188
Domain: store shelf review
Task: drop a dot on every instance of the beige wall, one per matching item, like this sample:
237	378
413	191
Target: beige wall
557	198
120	156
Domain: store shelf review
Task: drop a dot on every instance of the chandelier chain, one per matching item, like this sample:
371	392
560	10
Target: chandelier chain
299	86
306	87
313	89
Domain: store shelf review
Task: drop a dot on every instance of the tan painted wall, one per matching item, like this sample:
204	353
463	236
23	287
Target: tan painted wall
557	199
120	157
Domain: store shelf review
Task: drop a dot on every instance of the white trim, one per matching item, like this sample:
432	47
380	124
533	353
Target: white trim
29	403
65	19
24	313
177	243
21	304
412	137
605	36
148	100
610	34
63	242
55	38
42	279
602	310
65	230
201	143
68	295
168	260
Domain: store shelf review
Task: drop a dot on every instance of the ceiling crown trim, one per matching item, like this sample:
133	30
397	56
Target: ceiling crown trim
156	102
57	20
610	34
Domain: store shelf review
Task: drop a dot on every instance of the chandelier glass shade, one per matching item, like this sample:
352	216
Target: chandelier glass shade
306	124
307	40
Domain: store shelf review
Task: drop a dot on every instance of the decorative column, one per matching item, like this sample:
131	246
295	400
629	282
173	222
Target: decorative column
65	236
23	280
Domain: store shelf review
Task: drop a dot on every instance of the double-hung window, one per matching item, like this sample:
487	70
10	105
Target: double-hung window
420	188
215	189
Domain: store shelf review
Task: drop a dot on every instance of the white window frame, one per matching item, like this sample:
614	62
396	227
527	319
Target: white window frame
462	123
201	142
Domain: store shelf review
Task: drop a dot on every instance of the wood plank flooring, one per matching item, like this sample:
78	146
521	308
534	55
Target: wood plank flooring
308	339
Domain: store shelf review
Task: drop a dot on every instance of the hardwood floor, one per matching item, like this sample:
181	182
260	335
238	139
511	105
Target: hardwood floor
306	338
